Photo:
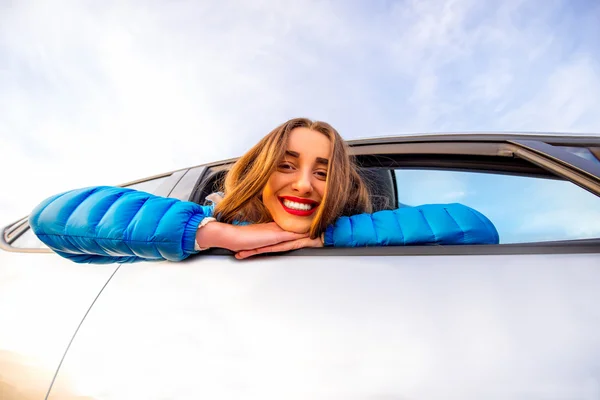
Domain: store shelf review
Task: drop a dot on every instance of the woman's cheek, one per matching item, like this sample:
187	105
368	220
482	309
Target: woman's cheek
270	201
321	187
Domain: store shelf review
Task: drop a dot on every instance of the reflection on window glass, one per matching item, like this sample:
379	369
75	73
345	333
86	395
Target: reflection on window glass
149	186
582	152
28	240
523	209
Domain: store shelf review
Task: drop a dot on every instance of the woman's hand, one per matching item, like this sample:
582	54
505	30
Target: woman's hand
245	237
284	246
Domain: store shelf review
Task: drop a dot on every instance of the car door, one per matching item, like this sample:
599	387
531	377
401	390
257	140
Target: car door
514	320
43	300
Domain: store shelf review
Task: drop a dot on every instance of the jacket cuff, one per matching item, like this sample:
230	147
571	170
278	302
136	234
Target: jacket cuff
328	236
189	233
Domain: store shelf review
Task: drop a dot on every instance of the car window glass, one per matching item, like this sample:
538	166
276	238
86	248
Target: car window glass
523	209
149	186
186	184
582	152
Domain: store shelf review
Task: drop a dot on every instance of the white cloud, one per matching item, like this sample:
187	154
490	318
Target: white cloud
568	101
430	186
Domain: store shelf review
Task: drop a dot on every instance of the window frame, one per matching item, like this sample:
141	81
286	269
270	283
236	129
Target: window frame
579	246
13	231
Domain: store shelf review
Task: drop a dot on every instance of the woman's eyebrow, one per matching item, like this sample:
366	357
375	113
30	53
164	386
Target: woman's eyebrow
322	161
294	154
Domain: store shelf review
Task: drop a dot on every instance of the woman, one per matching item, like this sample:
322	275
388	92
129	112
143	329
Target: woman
296	188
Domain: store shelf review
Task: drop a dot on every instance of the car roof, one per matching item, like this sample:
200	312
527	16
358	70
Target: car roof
481	136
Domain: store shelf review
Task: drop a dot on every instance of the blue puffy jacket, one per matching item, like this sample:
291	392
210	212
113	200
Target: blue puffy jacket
110	224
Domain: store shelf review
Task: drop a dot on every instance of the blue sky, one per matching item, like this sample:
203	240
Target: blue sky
103	93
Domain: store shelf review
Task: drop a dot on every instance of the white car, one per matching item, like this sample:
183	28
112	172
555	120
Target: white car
518	320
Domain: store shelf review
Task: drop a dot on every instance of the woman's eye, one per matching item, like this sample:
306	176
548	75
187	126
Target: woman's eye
285	167
321	174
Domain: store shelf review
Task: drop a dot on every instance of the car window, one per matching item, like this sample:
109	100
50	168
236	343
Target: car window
523	209
186	184
149	186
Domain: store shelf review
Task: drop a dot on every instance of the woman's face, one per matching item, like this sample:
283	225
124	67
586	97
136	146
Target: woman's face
296	188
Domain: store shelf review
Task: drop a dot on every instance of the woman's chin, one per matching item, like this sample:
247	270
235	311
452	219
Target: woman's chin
294	226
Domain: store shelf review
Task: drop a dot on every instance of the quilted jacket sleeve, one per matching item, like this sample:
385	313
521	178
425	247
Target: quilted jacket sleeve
444	224
109	224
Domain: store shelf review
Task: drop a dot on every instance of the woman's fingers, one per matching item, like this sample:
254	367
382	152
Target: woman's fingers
260	235
284	246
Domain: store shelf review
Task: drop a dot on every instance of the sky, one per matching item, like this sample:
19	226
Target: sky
95	93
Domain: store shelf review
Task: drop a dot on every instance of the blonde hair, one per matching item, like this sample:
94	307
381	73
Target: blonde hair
245	181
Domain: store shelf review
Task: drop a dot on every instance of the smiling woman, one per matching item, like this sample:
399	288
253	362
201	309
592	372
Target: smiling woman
297	187
284	177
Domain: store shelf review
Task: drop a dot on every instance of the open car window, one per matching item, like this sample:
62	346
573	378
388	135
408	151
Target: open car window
523	209
149	186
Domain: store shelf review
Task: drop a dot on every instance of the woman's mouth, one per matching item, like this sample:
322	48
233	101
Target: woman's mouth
298	206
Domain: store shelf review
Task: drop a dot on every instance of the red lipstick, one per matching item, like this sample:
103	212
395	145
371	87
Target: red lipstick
299	213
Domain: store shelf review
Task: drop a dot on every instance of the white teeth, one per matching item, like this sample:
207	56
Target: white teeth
296	206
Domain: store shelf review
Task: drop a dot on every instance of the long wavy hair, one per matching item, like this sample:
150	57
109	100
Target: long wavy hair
345	191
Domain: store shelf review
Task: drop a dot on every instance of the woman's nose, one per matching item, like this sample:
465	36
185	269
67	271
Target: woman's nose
302	183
